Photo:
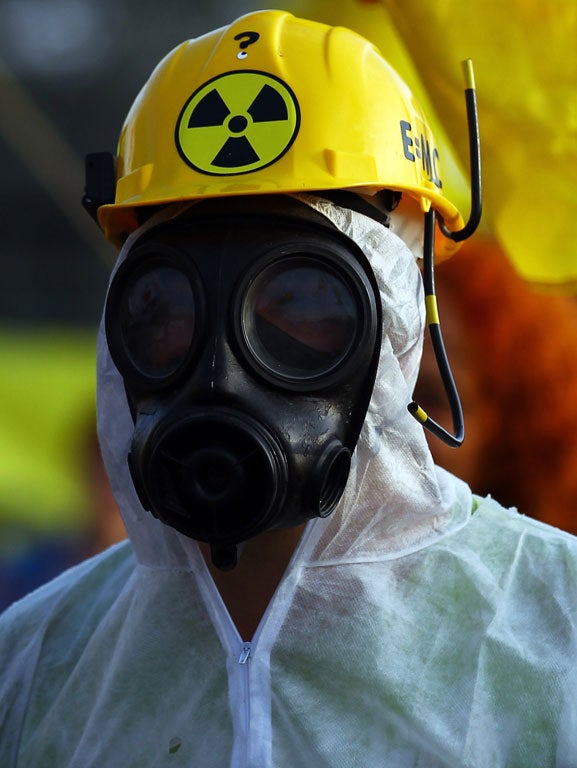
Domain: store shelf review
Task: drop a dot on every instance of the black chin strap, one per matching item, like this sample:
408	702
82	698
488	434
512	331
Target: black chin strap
454	440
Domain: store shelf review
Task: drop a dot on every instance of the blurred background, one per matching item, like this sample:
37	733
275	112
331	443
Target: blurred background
70	69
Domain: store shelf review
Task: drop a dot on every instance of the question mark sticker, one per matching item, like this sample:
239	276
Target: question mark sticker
248	38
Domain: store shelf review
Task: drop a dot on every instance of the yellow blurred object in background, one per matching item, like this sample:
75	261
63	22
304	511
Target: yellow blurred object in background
525	59
47	392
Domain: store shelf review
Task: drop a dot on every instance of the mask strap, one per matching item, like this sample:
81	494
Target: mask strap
454	440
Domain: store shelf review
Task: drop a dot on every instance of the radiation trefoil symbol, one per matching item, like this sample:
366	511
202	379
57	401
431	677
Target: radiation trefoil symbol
238	122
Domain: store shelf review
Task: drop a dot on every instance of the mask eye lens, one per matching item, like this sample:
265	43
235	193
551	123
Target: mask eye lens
157	320
299	318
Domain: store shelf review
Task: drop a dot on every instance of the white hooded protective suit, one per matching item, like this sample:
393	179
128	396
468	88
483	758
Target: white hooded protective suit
417	626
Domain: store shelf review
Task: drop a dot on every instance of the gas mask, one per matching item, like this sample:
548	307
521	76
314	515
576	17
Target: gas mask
247	333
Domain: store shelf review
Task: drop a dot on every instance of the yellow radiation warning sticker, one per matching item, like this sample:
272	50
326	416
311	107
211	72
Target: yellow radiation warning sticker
236	123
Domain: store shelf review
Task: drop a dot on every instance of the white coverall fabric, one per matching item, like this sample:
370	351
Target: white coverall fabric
417	626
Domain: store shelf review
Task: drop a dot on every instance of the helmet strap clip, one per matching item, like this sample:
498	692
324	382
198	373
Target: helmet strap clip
100	184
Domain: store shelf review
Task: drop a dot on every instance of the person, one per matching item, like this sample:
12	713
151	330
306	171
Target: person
303	586
511	350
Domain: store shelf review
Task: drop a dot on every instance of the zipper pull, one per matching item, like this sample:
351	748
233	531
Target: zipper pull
245	654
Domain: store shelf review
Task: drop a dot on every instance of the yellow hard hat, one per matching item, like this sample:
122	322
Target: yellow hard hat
274	104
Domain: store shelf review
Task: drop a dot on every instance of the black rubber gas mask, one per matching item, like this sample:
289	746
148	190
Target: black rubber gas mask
247	333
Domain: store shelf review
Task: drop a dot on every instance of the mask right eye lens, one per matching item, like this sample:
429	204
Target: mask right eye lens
302	319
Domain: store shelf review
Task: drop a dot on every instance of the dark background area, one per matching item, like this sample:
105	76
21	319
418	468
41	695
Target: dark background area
69	70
